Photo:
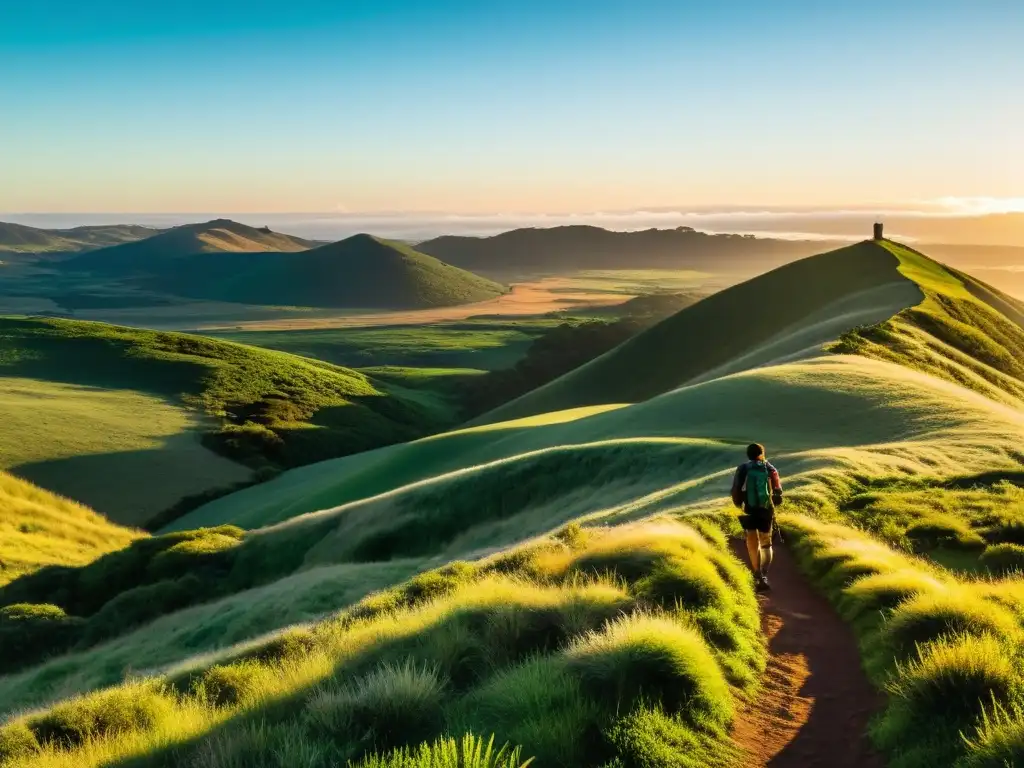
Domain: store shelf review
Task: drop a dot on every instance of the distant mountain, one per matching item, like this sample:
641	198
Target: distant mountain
217	236
561	249
17	238
362	272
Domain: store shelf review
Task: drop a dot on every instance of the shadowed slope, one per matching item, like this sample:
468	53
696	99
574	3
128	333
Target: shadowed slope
359	272
560	249
89	408
788	311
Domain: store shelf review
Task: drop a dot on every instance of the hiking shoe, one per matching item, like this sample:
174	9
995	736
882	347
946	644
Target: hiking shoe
761	584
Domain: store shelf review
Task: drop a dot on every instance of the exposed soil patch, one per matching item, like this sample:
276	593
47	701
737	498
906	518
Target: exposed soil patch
816	702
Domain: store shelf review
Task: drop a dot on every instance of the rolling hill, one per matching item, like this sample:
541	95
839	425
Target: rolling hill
563	580
18	238
557	250
125	419
38	529
361	272
163	251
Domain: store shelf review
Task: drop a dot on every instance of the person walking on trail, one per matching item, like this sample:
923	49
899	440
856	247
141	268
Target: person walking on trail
757	489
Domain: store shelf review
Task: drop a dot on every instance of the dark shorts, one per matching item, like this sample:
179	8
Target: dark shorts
758	520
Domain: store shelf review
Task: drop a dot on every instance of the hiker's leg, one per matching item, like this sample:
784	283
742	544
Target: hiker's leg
764	541
753	550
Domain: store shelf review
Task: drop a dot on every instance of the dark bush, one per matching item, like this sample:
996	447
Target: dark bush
31	632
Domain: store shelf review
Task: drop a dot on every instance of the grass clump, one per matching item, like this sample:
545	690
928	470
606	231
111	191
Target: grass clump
552	657
31	632
468	752
655	658
118	711
392	706
1003	559
17	742
946	690
926	618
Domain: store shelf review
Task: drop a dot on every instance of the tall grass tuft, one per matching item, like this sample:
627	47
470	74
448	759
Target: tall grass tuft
652	657
468	752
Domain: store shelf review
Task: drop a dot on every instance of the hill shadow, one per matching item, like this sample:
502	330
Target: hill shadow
130	487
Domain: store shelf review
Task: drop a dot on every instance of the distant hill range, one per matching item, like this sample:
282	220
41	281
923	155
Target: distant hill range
561	249
18	238
257	266
217	236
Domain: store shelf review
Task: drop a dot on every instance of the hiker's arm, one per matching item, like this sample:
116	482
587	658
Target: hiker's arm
737	486
776	481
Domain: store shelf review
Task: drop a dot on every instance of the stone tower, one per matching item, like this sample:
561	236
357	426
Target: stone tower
878	231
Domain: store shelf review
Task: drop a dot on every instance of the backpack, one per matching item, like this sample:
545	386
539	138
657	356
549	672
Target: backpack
759	486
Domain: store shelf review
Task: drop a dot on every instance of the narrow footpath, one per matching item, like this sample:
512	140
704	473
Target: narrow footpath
816	701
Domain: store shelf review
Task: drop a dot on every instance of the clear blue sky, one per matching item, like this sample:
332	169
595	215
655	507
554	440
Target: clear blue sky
317	105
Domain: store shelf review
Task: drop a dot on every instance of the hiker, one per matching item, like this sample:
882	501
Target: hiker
757	489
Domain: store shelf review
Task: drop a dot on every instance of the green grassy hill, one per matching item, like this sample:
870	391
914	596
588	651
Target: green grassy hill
153	254
790	311
562	581
558	250
18	238
125	419
361	272
38	529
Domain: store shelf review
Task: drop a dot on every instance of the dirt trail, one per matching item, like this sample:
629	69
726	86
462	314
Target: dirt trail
816	702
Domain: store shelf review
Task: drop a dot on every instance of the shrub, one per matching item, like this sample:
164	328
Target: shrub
469	752
389	707
927	617
540	704
114	711
653	657
947	687
1002	559
17	742
31	632
687	579
998	742
227	685
943	531
208	549
882	591
649	738
142	604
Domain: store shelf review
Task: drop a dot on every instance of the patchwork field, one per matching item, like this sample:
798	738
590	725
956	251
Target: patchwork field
560	576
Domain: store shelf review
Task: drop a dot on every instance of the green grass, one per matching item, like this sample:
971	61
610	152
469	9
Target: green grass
767	312
515	645
485	345
71	439
18	238
581	644
39	529
106	397
361	272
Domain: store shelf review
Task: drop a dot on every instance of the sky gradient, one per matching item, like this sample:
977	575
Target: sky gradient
310	105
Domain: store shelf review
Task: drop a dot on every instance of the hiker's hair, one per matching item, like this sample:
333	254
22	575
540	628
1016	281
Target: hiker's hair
755	451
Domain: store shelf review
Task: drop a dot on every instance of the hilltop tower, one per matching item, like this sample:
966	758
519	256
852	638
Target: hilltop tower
879	230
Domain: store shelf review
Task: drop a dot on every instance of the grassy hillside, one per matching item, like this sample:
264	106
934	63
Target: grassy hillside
558	250
362	272
789	311
38	529
570	588
216	236
18	238
85	403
